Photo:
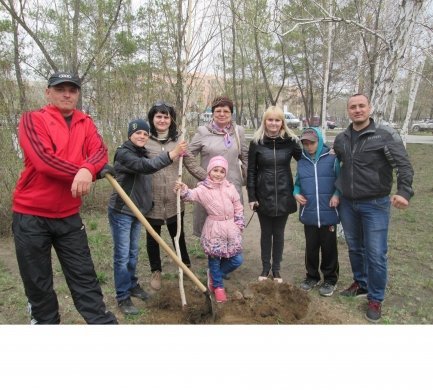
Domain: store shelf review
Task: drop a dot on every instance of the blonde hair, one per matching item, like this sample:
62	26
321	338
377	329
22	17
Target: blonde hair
278	113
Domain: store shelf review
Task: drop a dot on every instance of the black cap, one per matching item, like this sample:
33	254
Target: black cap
63	77
138	124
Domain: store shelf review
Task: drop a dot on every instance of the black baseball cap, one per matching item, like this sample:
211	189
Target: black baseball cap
138	124
63	77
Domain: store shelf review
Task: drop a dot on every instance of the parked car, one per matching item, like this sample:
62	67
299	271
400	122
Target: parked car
205	117
316	122
330	124
291	120
425	125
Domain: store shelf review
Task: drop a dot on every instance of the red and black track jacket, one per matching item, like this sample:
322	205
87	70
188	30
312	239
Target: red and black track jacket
53	154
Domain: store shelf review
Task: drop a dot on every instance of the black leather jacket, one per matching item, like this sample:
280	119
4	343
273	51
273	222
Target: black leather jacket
269	179
133	169
367	169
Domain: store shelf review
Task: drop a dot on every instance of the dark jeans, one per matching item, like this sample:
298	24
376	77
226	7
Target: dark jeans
34	237
322	241
153	250
272	240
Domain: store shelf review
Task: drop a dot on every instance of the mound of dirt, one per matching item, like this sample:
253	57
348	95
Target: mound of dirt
259	303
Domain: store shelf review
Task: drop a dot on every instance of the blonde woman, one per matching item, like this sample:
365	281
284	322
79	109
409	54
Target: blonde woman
270	185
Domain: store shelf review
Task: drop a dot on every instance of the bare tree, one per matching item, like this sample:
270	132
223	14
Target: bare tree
397	44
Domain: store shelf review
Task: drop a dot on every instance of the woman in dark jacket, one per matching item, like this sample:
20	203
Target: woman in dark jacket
270	185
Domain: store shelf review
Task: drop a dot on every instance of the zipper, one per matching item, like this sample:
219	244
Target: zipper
275	180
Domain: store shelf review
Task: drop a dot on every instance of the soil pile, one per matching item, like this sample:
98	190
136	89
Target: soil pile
259	303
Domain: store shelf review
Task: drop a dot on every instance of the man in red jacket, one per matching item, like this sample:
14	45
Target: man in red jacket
63	153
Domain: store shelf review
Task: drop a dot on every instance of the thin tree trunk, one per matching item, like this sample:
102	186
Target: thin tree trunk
326	75
18	73
184	74
415	80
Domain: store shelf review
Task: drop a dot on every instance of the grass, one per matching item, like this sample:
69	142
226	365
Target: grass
410	283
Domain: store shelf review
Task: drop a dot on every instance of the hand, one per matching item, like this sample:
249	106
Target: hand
399	202
179	150
180	186
82	183
301	199
334	202
254	205
106	169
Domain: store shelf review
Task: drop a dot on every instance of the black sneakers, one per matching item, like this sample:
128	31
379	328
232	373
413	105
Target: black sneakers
277	277
355	290
126	307
138	292
308	284
264	275
374	311
327	289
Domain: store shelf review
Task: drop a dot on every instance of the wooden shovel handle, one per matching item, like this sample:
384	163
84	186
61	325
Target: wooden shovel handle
152	231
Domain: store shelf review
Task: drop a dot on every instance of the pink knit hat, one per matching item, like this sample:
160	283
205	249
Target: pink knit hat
217	161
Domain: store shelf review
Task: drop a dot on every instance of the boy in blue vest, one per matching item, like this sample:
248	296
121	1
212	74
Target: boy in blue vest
315	191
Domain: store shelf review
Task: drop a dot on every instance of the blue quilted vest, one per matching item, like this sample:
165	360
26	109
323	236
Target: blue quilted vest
317	181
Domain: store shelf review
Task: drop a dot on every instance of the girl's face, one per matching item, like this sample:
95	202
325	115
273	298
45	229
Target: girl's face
273	125
217	174
139	138
222	116
161	122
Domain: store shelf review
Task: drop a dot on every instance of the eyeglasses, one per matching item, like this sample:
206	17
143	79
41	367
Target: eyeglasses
160	103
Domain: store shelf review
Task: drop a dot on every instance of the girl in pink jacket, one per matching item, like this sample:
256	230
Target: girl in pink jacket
221	237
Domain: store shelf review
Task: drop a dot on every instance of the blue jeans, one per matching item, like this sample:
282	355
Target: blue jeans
218	267
125	230
365	224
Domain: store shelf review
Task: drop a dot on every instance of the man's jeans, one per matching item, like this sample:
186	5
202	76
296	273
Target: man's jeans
219	267
365	224
125	230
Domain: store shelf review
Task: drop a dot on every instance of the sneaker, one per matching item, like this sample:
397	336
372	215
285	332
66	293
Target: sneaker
277	277
127	308
308	284
138	292
155	280
327	289
263	276
355	290
220	295
209	281
374	311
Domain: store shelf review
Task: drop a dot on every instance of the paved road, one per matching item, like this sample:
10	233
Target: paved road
411	139
420	139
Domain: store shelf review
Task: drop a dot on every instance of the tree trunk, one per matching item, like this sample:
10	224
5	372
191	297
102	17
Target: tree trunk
327	72
17	63
415	80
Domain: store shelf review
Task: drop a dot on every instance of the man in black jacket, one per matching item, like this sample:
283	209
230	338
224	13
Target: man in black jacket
369	153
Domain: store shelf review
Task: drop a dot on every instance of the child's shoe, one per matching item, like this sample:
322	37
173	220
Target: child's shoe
220	295
209	282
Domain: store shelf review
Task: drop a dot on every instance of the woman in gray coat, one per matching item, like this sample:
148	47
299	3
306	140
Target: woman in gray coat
220	137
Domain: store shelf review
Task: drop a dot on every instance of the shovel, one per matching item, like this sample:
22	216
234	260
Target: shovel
210	304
